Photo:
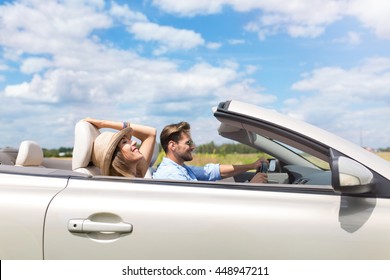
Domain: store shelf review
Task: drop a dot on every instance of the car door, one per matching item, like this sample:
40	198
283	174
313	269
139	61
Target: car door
109	218
25	193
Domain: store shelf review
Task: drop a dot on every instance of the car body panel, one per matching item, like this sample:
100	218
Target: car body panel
187	220
23	204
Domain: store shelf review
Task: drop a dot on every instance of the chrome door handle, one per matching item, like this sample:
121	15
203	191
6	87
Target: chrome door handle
88	226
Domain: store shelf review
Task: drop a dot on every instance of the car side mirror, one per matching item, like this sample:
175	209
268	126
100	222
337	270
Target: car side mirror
273	165
351	177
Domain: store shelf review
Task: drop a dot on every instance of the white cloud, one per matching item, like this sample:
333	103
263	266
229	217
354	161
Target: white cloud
304	31
108	76
373	14
246	92
29	91
369	80
295	18
236	42
298	18
138	89
33	26
169	37
190	7
346	101
351	38
213	46
35	64
3	66
250	69
125	14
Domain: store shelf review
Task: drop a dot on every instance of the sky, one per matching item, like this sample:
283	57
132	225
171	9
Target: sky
157	62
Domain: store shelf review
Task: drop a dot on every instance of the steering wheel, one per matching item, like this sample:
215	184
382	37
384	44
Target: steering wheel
263	168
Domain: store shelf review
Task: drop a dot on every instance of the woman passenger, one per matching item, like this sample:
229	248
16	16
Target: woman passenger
116	153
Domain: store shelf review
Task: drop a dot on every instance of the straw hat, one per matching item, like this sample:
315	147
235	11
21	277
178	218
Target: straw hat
104	147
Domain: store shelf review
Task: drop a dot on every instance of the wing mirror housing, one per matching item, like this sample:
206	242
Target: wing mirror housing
351	177
273	165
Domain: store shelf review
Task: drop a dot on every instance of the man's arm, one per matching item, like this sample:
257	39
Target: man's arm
229	170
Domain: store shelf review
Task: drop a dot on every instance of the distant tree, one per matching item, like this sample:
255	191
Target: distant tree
208	148
211	148
61	152
50	153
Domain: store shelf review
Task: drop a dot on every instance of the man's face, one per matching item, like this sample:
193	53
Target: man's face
184	147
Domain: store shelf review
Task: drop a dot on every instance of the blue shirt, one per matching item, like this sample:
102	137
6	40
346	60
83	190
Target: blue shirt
169	169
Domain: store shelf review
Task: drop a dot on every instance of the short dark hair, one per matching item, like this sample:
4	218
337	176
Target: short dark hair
173	132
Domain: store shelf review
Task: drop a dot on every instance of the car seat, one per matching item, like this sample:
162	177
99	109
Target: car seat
150	170
29	154
85	134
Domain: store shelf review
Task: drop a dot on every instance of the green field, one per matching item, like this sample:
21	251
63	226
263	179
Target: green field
385	155
202	159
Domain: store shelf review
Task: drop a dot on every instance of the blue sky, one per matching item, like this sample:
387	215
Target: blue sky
163	61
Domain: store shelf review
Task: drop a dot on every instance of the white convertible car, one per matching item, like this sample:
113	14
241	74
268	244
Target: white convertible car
326	199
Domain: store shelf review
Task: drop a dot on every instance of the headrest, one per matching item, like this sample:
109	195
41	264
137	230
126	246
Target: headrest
85	134
29	154
155	154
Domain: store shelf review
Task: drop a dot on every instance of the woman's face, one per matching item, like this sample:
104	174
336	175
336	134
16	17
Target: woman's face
129	149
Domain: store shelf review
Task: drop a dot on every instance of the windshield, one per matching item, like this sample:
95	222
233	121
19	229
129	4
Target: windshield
287	153
311	158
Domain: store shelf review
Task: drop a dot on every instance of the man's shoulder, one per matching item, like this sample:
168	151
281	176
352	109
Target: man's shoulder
166	167
166	163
